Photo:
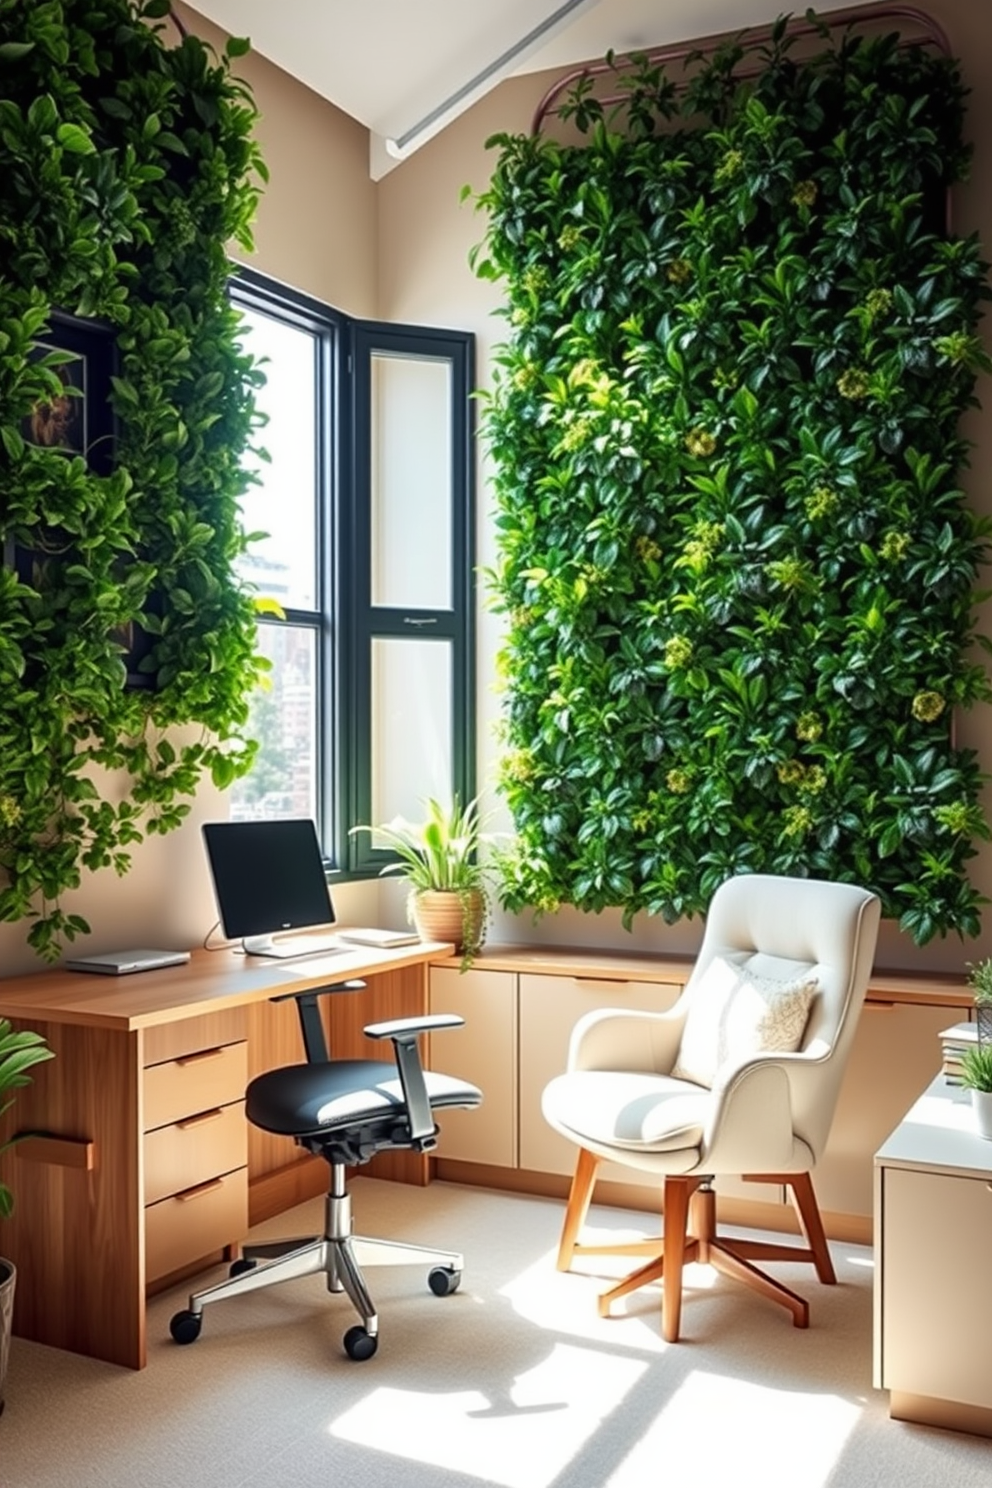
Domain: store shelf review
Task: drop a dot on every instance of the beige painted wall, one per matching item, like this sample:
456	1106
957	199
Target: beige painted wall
425	235
399	250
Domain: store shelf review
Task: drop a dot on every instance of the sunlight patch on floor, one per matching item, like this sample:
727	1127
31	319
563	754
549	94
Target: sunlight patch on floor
523	1439
713	1424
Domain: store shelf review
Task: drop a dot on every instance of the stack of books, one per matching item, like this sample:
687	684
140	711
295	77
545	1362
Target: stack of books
953	1042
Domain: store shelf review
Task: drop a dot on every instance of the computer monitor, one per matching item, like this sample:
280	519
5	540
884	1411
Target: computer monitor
268	876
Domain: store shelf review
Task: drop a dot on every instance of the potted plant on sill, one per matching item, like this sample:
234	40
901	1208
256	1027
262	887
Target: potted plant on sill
18	1052
980	982
976	1076
439	858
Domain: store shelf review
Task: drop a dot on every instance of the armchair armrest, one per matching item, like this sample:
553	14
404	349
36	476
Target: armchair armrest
622	1038
749	1128
404	1033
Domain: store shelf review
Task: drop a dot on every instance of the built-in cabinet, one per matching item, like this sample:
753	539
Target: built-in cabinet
520	1005
933	1307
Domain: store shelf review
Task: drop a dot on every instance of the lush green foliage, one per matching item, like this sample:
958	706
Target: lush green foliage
18	1053
976	1068
980	981
127	164
735	563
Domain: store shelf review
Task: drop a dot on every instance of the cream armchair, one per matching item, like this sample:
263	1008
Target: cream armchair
739	1078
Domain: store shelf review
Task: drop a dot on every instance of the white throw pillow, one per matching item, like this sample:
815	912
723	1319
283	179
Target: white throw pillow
735	1014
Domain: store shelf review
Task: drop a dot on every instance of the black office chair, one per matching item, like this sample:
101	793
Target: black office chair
346	1110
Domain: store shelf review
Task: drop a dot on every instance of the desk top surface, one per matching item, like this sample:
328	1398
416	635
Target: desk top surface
939	1134
210	982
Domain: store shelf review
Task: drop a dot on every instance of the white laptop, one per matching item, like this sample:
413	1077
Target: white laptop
122	963
383	940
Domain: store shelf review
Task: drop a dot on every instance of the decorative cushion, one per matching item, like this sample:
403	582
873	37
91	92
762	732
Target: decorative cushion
735	1014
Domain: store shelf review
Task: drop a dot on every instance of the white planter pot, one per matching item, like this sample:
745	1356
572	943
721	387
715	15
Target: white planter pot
981	1101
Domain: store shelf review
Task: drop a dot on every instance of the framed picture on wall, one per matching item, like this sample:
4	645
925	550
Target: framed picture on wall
79	419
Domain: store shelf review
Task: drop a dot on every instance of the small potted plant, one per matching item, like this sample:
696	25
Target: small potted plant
980	982
976	1076
439	858
18	1052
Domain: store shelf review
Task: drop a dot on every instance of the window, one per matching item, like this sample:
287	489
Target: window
365	500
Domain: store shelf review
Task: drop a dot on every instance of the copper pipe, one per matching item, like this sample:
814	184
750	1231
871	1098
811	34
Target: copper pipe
932	30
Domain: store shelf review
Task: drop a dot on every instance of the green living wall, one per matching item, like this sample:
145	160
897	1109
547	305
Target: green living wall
127	165
737	569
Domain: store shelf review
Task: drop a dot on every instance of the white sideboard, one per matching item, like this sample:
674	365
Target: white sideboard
933	1239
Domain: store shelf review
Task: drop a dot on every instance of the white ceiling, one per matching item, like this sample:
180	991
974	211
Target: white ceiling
390	63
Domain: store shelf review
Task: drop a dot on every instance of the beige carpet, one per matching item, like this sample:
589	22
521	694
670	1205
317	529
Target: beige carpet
514	1381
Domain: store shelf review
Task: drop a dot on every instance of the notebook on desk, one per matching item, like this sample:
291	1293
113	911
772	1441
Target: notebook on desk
122	963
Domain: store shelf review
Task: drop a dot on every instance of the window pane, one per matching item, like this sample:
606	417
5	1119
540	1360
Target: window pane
411	726
283	779
411	482
285	503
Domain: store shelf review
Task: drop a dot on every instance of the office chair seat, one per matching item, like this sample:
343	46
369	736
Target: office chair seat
345	1111
301	1100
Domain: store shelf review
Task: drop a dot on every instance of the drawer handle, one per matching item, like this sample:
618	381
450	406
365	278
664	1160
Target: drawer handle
874	1006
210	1186
198	1056
197	1120
603	984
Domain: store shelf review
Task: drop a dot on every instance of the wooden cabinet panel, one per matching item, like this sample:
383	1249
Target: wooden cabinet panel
550	1007
895	1054
193	1150
195	1082
937	1331
483	1051
184	1227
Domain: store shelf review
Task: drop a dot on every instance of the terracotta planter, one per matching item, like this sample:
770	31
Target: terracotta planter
448	915
8	1277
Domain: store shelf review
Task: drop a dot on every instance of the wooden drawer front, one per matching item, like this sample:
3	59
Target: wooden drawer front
190	1151
171	1040
195	1082
483	1051
187	1226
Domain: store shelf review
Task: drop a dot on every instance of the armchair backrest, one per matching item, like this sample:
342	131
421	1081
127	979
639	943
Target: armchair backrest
782	927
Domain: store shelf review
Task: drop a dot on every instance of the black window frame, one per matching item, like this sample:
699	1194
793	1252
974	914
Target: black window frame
345	620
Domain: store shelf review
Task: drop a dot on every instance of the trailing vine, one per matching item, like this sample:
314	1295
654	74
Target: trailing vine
127	164
735	562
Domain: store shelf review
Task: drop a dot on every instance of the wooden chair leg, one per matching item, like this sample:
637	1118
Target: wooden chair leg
678	1192
579	1199
804	1199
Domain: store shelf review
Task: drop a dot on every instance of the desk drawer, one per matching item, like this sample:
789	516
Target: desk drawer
194	1082
190	1151
187	1226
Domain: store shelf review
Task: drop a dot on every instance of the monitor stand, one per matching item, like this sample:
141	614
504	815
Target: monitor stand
292	947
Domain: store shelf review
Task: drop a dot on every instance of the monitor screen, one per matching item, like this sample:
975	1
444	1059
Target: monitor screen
268	876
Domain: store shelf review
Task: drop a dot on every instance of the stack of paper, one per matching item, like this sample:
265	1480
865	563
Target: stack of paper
953	1042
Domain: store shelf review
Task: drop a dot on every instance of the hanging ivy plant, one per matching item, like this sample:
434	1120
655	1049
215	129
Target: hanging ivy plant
127	164
735	562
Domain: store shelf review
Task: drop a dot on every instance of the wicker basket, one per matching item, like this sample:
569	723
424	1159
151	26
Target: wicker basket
983	1017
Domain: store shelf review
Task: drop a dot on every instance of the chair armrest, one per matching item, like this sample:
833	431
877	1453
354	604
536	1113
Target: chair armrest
404	1033
430	1022
749	1128
626	1039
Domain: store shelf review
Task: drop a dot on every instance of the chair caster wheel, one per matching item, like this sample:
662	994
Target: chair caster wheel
444	1280
358	1344
240	1266
185	1326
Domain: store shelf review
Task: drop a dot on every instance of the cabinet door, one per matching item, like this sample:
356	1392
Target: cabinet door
550	1007
895	1055
483	1051
936	1308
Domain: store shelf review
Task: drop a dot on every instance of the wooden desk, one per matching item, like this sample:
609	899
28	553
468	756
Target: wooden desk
148	1169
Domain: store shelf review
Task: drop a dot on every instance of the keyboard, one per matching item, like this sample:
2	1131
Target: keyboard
302	945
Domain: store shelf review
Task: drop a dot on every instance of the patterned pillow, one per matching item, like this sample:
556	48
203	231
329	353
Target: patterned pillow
735	1014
